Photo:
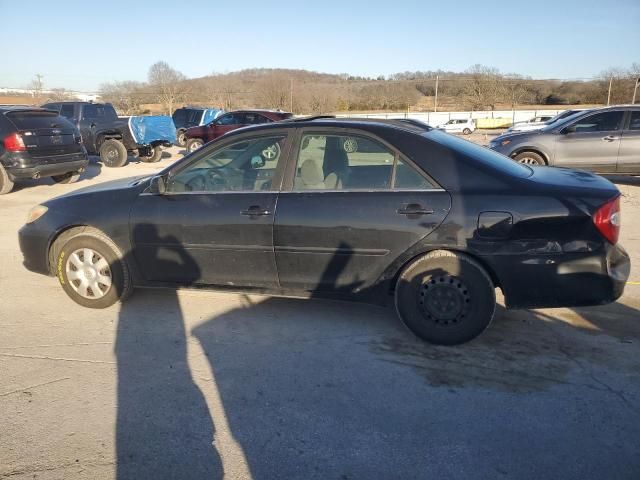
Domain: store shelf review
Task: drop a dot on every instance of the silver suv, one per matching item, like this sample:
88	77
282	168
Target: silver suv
605	140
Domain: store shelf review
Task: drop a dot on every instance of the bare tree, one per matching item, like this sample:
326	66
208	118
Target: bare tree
36	86
274	90
168	83
127	96
484	87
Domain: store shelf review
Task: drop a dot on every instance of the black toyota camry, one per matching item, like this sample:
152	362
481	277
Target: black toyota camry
414	215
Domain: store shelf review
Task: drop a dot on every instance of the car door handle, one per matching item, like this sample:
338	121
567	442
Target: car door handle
255	211
414	209
610	138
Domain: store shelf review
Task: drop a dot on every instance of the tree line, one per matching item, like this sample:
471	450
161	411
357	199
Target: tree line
302	91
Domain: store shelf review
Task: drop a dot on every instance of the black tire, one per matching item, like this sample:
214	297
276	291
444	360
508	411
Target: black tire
181	139
90	238
467	131
530	158
445	298
113	153
6	184
70	177
194	144
156	155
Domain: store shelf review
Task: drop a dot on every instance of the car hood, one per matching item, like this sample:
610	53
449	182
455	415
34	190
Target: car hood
516	135
110	189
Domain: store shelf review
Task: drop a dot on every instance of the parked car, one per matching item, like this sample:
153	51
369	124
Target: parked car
198	136
114	138
456	125
534	123
187	117
604	140
35	143
427	220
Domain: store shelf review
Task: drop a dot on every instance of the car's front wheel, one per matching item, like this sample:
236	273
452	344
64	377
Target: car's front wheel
467	131
194	144
91	269
530	158
445	298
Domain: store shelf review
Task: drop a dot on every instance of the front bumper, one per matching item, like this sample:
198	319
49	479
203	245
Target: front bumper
35	239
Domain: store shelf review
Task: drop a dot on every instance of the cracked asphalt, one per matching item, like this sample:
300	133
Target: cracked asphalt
196	384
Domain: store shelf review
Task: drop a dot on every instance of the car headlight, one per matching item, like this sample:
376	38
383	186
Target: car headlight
36	212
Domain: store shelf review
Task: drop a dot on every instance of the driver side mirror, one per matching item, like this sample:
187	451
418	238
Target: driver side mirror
157	186
257	161
569	129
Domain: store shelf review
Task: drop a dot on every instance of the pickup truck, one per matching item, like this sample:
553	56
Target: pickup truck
114	138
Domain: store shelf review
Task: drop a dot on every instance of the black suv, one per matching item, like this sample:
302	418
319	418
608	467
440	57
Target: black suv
34	143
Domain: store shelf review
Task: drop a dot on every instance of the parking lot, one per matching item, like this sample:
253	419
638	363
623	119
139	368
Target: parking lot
195	384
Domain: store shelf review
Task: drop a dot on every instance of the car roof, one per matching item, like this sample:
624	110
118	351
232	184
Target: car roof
324	121
13	108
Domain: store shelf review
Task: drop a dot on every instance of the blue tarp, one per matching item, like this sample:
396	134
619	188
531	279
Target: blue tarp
146	130
209	115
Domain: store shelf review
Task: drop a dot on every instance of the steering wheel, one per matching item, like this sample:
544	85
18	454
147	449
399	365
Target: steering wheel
213	180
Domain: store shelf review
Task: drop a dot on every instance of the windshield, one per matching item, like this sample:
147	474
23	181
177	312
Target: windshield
561	121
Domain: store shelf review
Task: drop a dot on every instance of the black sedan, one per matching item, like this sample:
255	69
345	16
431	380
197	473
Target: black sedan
415	215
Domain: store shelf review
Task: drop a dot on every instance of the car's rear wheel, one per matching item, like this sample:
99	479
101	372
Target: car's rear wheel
6	184
467	131
91	269
194	144
113	153
181	139
530	158
445	298
70	177
155	155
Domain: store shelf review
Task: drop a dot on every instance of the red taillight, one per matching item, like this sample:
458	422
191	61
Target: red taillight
607	219
14	143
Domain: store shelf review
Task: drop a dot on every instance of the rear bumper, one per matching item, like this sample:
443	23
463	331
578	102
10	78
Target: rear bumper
566	280
76	163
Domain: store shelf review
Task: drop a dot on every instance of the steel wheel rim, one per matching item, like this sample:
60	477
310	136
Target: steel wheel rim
444	300
111	153
270	152
528	161
89	273
350	145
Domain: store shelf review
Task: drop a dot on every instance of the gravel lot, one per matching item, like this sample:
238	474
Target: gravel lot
195	384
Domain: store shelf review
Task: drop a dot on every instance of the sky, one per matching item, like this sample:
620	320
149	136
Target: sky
80	45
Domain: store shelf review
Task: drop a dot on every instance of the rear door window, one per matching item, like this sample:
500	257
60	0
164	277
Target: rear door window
634	123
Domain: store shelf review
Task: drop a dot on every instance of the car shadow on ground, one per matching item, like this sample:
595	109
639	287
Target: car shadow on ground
314	388
623	179
92	171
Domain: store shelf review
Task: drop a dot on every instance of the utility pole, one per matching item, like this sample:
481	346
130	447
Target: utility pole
291	97
435	105
609	94
635	89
